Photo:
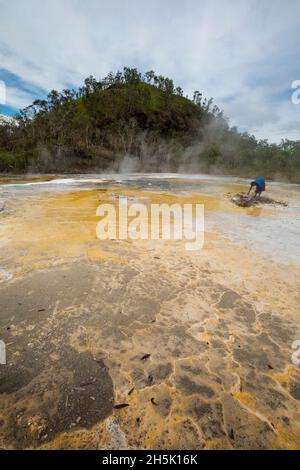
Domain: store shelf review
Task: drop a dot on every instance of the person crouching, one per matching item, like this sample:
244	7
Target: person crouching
259	184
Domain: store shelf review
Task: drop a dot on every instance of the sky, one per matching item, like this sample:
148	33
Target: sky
243	53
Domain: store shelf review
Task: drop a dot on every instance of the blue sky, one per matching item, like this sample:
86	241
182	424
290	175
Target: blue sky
243	53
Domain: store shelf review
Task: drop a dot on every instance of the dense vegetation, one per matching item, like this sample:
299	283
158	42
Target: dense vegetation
127	121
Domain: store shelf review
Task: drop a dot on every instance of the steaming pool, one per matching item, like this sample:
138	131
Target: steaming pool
273	231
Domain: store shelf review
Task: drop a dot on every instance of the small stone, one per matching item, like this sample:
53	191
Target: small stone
146	356
121	406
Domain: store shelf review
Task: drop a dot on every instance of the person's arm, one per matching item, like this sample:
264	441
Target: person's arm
251	186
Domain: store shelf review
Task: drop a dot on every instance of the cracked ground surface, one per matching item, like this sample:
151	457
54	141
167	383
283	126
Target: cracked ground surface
120	344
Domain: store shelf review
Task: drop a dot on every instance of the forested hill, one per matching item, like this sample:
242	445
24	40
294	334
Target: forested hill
133	122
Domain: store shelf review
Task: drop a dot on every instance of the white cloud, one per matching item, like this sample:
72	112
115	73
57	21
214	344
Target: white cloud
17	98
2	92
245	49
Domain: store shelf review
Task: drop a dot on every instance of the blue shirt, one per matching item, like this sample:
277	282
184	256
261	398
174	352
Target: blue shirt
260	184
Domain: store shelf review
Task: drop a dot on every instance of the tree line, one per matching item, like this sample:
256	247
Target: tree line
142	115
